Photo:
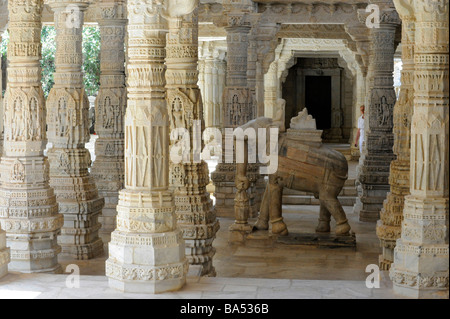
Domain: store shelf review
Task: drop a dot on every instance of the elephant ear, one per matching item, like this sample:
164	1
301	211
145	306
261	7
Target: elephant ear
178	8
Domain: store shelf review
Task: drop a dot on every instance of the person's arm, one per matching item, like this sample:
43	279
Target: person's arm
357	137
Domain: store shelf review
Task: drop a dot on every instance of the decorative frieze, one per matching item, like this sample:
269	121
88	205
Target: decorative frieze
29	212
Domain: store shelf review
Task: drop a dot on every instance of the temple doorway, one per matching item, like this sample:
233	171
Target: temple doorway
318	100
319	84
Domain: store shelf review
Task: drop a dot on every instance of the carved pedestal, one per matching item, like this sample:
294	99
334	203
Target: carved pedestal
68	131
28	208
110	105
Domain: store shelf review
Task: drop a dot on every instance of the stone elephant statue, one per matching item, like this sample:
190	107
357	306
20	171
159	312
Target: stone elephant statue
309	166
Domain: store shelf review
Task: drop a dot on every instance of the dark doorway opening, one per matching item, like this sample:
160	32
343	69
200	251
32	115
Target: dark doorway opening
318	100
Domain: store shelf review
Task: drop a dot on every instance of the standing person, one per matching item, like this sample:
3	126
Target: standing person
360	135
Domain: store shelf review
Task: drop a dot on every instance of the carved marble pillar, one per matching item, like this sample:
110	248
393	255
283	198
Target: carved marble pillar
110	105
147	250
374	171
4	254
28	208
360	35
389	227
4	251
421	257
1	100
271	91
208	91
252	61
221	66
68	131
238	109
188	180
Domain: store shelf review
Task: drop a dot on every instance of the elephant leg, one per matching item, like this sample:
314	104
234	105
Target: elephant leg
324	220
276	194
263	219
336	210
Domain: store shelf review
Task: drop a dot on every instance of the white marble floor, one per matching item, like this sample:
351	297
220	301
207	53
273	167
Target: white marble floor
45	286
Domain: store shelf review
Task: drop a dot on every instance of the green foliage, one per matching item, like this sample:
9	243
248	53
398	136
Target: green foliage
91	57
3	49
48	36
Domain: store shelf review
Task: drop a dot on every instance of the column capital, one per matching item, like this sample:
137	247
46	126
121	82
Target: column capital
110	11
61	4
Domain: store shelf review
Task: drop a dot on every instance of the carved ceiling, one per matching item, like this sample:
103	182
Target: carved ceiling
303	19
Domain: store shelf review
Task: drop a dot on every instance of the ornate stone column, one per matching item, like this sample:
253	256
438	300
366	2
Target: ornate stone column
4	254
222	79
374	171
4	251
193	205
28	208
421	257
208	92
1	100
110	105
68	131
389	227
147	250
238	109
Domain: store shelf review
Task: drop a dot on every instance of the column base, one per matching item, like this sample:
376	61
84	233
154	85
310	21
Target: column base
37	253
147	263
79	237
147	287
200	251
4	255
22	267
108	217
239	233
421	294
384	263
370	202
205	260
83	252
420	271
225	194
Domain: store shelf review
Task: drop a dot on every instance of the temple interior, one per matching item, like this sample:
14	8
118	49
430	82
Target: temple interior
226	149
